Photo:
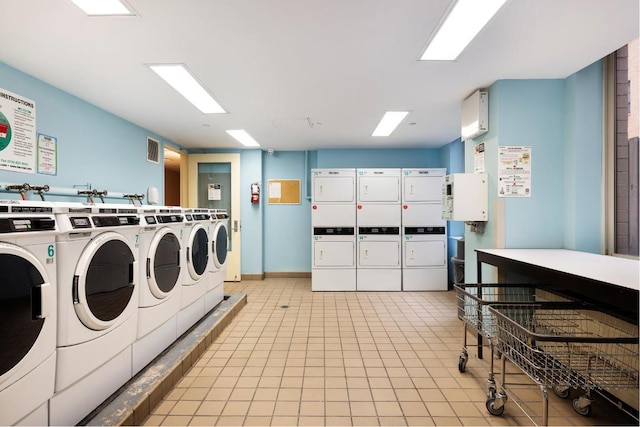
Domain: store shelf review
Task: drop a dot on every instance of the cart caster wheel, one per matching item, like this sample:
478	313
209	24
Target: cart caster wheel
584	410
462	362
492	408
562	392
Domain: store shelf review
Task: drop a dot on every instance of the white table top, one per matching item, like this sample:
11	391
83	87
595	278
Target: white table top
604	268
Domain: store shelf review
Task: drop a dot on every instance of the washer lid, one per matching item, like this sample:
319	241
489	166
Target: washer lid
23	304
104	280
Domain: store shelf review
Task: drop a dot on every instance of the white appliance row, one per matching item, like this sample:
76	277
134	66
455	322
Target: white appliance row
90	294
378	230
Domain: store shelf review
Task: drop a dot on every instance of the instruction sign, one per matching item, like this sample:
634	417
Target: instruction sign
514	171
214	192
47	154
17	132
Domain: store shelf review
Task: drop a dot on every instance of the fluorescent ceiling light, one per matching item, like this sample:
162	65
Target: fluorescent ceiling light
103	7
389	122
243	137
183	81
463	23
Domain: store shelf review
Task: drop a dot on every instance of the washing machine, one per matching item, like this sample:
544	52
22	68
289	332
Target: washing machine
97	278
27	311
196	238
160	282
333	225
378	216
218	264
424	232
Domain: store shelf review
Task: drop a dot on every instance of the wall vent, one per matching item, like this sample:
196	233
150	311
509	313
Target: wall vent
153	150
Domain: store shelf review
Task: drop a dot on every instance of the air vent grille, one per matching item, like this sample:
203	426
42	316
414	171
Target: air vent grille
153	150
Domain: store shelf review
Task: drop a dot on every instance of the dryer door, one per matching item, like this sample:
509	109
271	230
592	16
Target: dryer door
104	280
163	263
25	299
197	252
219	246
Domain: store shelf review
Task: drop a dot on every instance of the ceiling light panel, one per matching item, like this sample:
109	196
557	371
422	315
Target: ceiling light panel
463	23
389	123
104	7
181	79
243	137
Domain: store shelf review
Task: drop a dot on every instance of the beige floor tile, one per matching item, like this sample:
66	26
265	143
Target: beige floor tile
185	407
242	394
424	421
219	394
284	421
203	421
286	408
362	409
392	421
413	409
336	395
310	421
383	394
337	409
388	409
210	408
337	421
164	407
230	421
153	420
261	409
176	420
311	409
235	408
365	421
439	409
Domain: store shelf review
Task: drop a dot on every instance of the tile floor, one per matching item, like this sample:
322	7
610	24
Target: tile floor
295	357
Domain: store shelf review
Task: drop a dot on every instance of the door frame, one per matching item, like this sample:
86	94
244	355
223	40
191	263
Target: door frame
234	272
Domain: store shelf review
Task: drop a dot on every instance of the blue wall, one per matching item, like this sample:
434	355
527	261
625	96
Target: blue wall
379	158
94	146
562	121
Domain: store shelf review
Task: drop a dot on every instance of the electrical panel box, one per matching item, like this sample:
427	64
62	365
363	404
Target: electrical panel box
475	115
465	197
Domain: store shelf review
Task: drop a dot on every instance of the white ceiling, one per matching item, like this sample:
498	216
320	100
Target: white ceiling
301	74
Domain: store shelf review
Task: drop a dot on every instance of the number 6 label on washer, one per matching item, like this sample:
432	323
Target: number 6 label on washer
50	251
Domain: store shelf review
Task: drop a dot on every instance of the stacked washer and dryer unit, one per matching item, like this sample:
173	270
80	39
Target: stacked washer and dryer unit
379	221
424	232
333	225
28	311
401	236
97	279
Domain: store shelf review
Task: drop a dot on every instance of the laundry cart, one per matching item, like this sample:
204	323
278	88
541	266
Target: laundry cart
564	346
473	301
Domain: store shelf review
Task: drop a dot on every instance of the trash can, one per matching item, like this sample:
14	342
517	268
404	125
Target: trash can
458	270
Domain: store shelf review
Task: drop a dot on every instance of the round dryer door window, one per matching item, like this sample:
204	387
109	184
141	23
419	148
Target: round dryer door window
163	264
21	278
104	281
198	252
220	246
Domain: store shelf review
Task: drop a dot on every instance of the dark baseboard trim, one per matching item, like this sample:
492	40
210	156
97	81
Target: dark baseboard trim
252	276
287	274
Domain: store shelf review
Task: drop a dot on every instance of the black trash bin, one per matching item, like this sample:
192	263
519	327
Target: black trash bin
458	270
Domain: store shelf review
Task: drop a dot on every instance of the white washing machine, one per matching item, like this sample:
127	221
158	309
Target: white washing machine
97	277
162	265
218	264
27	311
378	216
333	224
196	238
424	232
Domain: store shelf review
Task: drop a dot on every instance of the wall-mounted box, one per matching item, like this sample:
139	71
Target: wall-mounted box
465	197
475	115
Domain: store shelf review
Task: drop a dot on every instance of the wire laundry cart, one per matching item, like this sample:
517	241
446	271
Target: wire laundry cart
564	346
473	302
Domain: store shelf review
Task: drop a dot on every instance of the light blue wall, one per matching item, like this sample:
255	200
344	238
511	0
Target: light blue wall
251	214
532	114
562	121
287	228
94	146
583	160
379	158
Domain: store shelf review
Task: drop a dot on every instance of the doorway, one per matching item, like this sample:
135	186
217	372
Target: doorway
172	181
214	183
